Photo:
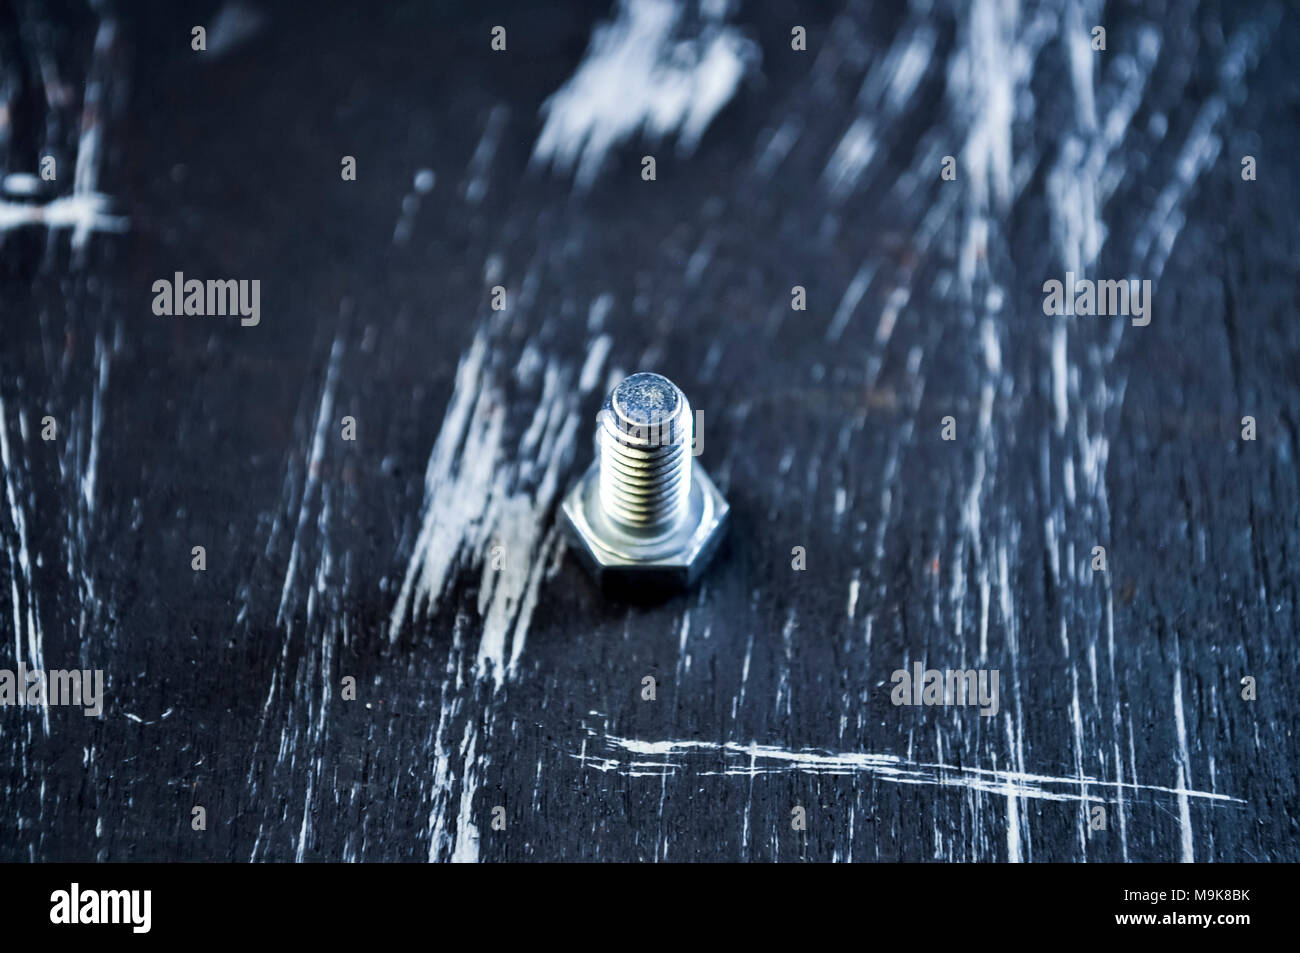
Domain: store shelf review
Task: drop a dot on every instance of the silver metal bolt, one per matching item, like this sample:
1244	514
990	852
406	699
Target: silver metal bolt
645	513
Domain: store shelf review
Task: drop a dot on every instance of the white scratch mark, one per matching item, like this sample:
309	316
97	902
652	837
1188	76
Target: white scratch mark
467	836
315	455
753	760
1184	770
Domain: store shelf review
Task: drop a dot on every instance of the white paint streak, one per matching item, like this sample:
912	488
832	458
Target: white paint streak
35	657
1184	771
467	836
84	213
315	456
641	75
486	504
753	760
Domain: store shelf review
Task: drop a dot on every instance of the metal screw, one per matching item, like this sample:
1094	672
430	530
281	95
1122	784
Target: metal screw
644	513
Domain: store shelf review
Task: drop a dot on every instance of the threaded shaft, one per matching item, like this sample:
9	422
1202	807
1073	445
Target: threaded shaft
645	454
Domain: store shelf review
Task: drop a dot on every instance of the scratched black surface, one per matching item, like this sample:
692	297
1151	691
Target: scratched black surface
520	687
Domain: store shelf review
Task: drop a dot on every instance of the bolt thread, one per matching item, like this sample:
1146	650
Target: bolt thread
645	467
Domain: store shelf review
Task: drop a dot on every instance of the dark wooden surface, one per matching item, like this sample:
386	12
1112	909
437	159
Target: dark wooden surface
423	559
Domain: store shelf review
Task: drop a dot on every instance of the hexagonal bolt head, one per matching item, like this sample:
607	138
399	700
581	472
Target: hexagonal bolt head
645	517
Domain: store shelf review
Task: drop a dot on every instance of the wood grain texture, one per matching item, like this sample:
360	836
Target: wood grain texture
424	558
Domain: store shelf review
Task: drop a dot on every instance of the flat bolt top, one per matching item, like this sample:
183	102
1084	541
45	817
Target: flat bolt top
646	398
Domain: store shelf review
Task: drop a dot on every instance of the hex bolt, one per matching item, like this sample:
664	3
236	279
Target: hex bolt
645	513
